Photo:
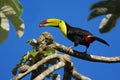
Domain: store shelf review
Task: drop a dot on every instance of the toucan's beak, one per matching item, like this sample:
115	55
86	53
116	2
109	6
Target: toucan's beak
50	22
42	24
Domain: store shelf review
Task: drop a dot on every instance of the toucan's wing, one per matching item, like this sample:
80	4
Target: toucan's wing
78	32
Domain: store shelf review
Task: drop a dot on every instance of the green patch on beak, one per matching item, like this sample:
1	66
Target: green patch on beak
51	24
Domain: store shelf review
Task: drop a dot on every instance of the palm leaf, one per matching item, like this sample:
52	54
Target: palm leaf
97	12
18	24
15	4
111	8
10	10
108	23
3	30
103	4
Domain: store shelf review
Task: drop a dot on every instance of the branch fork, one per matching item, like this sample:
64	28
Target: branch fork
46	41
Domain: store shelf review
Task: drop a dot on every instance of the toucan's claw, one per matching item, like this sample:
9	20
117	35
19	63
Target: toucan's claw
70	48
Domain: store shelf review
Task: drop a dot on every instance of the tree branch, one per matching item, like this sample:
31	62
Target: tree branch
70	71
56	77
84	56
78	76
62	63
81	55
45	41
50	70
35	66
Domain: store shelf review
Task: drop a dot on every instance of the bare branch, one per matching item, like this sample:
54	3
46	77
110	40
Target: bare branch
56	77
84	56
50	70
67	70
70	71
48	39
45	41
35	66
62	63
79	76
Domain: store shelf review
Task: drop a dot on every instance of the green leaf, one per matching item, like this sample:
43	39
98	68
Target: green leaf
33	53
4	27
24	59
108	23
18	25
29	55
110	4
97	12
15	4
10	10
111	8
16	20
50	51
101	4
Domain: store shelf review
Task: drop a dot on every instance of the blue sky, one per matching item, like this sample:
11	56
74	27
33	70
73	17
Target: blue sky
75	12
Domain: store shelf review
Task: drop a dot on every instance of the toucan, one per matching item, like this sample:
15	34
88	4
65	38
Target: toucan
76	35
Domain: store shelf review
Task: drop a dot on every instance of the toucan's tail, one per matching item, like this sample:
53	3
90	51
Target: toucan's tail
100	40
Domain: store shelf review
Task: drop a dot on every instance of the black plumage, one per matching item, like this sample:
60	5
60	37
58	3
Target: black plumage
79	36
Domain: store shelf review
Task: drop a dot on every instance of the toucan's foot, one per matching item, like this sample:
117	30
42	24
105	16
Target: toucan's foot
71	47
85	52
87	46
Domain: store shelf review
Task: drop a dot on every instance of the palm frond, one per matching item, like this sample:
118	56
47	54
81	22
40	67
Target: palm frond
97	12
111	8
10	10
108	23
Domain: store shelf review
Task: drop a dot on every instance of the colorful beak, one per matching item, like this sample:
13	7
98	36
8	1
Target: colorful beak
42	24
50	22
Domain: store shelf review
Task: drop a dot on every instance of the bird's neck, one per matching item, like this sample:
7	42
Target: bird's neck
63	27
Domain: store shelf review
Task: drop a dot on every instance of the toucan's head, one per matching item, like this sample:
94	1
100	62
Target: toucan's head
53	22
50	22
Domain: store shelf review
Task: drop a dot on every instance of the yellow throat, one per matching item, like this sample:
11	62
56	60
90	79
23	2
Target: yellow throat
63	27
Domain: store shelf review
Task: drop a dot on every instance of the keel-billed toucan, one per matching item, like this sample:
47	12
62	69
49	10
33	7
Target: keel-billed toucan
77	35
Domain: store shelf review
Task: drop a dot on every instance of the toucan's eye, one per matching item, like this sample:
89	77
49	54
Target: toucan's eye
60	21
